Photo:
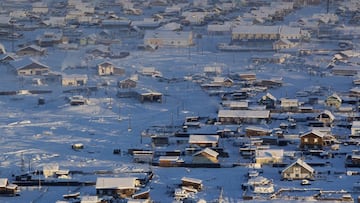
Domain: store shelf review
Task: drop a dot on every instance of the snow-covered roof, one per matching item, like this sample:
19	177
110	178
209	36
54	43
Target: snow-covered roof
287	30
315	132
193	180
302	164
207	151
166	34
270	96
223	113
327	112
275	153
115	183
193	139
77	76
252	29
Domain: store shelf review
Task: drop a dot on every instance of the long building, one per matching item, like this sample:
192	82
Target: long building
259	32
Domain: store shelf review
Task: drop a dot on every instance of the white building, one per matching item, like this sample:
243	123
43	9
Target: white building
168	38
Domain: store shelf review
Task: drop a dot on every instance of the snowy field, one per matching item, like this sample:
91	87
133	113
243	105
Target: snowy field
35	135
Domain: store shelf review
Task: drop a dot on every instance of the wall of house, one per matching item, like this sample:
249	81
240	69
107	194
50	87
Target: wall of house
311	141
204	158
297	173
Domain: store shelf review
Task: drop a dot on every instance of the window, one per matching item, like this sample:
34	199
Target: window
316	140
306	140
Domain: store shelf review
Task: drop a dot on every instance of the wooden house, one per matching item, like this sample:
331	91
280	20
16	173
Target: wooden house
247	77
33	68
127	83
211	71
269	156
6	58
117	187
205	156
192	183
251	131
49	39
7	188
150	71
204	140
283	44
326	117
289	104
31	50
355	129
161	38
268	100
74	80
243	116
223	81
143	156
298	170
147	95
107	68
236	105
333	100
312	140
170	161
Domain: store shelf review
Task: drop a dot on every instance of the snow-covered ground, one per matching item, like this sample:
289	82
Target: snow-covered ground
35	135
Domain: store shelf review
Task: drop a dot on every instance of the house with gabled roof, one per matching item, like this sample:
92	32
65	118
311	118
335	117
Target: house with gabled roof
326	117
312	140
289	104
242	116
162	38
298	170
333	100
31	50
206	155
74	80
268	100
33	68
192	183
204	140
269	156
108	68
283	44
7	188
127	83
117	187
